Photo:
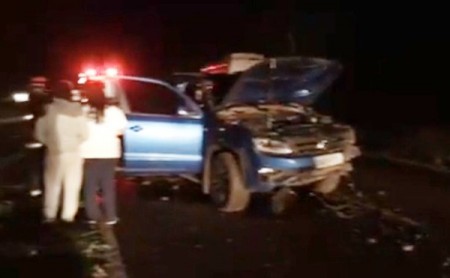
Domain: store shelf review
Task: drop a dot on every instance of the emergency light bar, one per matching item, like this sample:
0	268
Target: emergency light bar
91	72
111	72
94	74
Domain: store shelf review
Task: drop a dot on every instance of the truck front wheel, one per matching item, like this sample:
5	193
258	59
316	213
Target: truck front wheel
228	190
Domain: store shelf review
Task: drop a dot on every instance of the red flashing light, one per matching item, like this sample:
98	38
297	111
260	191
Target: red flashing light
218	68
82	80
91	72
94	74
111	72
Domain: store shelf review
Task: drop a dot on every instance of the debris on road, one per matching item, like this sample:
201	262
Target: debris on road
146	182
381	193
6	208
381	223
164	199
198	246
17	250
408	248
98	272
98	250
23	238
446	262
113	265
445	268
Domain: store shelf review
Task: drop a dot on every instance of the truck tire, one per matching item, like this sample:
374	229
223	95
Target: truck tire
228	191
327	185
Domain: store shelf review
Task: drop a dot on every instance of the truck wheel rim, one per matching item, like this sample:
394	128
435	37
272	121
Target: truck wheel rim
219	182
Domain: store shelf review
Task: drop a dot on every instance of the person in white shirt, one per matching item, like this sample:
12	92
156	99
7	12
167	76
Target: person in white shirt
62	129
101	152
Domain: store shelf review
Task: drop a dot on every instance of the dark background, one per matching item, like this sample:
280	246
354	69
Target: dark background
395	56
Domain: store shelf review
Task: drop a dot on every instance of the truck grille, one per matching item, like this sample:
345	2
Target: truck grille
312	148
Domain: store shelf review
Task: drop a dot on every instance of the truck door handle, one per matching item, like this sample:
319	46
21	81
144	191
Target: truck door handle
136	128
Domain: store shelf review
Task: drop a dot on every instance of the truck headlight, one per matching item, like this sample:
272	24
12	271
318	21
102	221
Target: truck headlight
21	97
266	145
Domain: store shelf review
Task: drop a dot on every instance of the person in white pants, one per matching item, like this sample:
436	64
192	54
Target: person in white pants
62	130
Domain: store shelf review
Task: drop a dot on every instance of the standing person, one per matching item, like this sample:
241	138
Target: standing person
62	129
101	152
39	98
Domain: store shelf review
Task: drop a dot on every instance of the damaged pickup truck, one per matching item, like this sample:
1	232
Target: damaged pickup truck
242	134
270	139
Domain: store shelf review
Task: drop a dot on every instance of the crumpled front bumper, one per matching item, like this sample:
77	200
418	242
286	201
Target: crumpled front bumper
294	172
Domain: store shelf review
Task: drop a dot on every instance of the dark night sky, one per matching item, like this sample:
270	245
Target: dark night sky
390	54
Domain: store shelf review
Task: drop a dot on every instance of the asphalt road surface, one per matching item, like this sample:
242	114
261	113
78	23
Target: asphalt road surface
176	232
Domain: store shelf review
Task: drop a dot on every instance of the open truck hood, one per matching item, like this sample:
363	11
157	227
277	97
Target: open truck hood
283	80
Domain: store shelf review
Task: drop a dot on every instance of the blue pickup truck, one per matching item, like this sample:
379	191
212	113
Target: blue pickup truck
246	133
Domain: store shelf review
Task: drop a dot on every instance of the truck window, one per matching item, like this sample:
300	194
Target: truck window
149	98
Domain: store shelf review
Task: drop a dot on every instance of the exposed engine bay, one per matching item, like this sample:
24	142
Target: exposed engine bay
301	130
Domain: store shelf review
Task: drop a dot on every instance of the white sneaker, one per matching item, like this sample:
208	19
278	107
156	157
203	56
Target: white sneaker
112	222
68	220
49	220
